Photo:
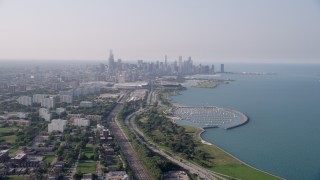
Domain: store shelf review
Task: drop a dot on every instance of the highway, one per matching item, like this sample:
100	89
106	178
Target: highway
191	167
137	166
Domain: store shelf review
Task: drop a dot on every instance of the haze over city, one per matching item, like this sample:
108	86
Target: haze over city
159	90
209	31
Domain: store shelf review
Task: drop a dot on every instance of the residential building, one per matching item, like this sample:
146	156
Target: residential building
20	157
25	100
117	175
87	177
4	154
108	150
18	122
48	102
57	125
81	122
45	114
86	104
38	97
60	110
100	127
74	116
20	115
66	99
94	117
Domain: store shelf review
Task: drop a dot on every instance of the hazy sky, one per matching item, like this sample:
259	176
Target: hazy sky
207	30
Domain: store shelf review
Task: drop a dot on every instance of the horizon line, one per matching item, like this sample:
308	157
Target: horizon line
243	61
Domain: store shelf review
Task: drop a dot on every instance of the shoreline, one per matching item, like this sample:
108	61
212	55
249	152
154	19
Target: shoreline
203	130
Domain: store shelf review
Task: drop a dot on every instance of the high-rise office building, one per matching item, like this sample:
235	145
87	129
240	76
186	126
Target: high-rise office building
119	65
180	60
165	61
222	68
212	69
180	65
111	61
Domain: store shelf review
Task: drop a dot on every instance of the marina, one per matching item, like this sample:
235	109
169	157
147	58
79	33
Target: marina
211	116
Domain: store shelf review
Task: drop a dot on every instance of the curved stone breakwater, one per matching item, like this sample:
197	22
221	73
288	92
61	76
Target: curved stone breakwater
211	116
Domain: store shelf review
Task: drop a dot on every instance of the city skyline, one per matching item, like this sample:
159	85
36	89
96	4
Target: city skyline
209	31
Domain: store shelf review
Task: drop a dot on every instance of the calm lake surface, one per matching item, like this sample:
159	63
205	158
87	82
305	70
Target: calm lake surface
283	135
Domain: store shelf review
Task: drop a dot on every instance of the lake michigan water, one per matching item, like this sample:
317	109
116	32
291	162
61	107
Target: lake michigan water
283	135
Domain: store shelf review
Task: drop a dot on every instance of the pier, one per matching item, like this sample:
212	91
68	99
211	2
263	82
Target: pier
211	116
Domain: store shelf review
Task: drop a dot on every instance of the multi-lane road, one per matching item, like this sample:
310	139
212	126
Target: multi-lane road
140	172
191	167
136	164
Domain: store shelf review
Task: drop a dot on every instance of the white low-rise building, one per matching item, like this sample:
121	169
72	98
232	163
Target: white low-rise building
21	115
100	127
57	125
45	114
117	175
25	100
60	110
81	122
131	85
87	104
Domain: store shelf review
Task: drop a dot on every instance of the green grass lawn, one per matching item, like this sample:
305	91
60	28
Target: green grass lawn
89	150
13	150
144	119
9	139
89	147
8	129
218	160
87	167
157	134
115	160
7	134
226	164
49	158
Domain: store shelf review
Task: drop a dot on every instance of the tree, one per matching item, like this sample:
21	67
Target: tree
83	156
